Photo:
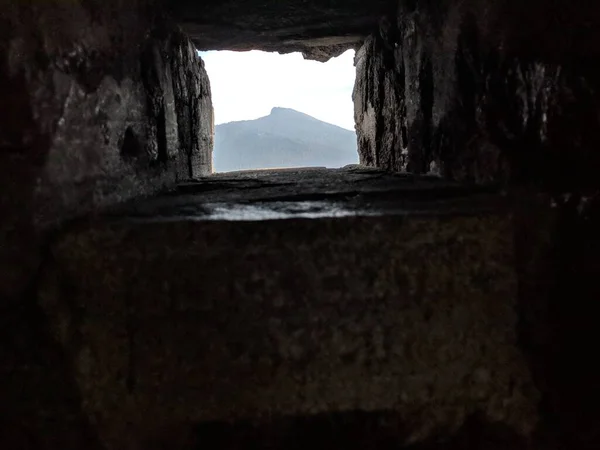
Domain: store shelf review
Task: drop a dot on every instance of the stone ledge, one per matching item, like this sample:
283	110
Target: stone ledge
188	321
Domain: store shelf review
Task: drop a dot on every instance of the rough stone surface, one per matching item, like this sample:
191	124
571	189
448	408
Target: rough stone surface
193	106
183	318
504	92
557	32
319	29
181	119
352	430
91	115
484	92
557	248
312	193
95	110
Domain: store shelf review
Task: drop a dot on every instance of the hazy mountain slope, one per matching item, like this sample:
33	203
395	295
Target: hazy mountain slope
285	138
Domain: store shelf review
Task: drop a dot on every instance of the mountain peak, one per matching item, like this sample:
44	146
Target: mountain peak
278	110
285	138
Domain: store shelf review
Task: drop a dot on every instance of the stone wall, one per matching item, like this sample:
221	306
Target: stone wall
96	108
180	322
505	93
105	100
319	29
482	92
102	101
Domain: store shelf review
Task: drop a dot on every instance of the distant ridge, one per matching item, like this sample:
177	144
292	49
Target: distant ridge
284	138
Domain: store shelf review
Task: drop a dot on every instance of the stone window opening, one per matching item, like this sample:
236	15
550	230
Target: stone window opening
281	111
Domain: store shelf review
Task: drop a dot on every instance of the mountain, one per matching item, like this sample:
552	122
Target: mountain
284	138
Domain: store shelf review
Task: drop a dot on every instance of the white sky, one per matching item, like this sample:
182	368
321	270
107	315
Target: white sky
247	85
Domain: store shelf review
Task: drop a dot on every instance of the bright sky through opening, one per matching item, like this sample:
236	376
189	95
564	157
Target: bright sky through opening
247	85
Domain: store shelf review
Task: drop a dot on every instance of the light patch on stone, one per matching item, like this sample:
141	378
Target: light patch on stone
434	169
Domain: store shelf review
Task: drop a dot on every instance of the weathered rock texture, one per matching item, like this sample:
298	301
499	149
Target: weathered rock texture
100	102
503	92
177	320
319	29
557	248
451	323
483	91
181	118
96	108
